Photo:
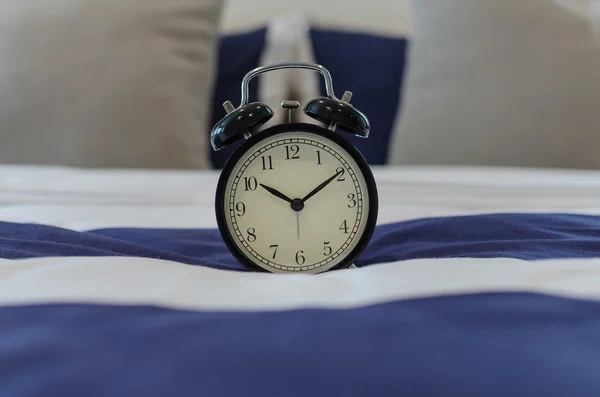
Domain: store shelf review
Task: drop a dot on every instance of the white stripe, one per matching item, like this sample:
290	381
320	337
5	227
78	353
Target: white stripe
173	285
85	199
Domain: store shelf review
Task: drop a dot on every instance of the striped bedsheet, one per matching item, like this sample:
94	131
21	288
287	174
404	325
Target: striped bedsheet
477	282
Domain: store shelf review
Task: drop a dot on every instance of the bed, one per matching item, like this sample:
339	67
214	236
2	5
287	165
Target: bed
478	281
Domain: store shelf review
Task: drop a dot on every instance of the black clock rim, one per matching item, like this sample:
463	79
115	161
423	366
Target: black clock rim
362	163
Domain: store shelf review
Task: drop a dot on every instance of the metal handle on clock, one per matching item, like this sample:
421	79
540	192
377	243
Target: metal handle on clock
291	65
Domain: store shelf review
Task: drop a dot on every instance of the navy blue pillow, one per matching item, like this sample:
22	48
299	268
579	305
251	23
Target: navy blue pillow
372	67
237	55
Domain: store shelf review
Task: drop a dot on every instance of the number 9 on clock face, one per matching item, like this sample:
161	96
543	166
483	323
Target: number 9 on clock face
296	198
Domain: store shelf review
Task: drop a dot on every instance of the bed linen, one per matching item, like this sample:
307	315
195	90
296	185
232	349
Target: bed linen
478	281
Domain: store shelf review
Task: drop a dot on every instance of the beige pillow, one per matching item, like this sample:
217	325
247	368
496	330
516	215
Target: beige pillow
500	82
107	83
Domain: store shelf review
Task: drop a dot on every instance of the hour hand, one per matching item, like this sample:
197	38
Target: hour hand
276	193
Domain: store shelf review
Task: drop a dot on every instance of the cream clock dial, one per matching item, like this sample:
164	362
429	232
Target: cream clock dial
297	200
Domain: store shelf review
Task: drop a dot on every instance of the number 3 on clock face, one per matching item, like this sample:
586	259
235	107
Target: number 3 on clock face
296	198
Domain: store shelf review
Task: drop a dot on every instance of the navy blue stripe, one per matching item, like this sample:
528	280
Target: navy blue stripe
237	55
493	345
519	236
373	68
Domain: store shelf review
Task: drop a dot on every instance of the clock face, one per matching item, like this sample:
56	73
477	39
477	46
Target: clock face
297	202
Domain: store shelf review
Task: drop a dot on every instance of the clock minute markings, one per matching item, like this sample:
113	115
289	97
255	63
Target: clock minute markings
292	151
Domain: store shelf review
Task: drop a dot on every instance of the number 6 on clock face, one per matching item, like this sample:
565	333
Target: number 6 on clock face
296	198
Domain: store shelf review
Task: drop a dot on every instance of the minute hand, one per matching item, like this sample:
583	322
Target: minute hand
321	186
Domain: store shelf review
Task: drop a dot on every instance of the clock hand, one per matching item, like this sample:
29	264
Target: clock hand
276	193
321	186
298	223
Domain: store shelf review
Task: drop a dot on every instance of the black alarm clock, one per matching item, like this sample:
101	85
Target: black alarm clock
295	197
